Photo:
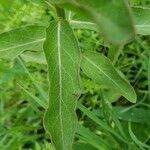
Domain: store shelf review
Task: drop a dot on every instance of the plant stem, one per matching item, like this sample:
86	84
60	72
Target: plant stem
60	12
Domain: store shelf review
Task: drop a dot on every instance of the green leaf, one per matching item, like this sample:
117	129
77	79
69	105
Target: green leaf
139	115
100	69
148	73
92	138
114	53
141	18
142	21
83	146
14	42
100	122
63	59
141	144
107	14
80	22
111	95
36	57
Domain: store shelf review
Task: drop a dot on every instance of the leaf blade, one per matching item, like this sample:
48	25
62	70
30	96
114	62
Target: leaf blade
100	12
97	64
14	42
63	83
142	21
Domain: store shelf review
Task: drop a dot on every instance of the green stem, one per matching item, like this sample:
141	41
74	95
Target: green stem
114	53
149	75
60	12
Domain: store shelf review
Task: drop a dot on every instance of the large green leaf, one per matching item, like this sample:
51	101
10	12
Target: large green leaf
63	58
140	15
112	17
100	69
78	21
142	20
16	41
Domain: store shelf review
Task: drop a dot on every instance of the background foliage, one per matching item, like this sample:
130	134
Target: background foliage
23	86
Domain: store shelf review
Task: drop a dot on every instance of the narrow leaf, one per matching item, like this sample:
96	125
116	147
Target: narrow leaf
83	146
93	139
100	69
63	58
14	42
136	140
100	122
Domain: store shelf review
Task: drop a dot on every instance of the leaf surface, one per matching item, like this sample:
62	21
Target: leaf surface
14	42
142	20
140	15
107	14
100	69
63	59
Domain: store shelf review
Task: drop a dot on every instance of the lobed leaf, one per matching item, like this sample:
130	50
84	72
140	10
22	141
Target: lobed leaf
63	59
100	69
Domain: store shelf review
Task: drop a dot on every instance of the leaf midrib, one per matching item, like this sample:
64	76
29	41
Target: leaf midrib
104	74
93	24
21	45
82	22
60	78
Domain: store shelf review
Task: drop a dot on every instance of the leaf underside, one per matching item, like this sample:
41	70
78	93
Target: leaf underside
63	57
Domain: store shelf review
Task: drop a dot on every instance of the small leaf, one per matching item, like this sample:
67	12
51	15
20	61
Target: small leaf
107	14
100	69
14	42
63	59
